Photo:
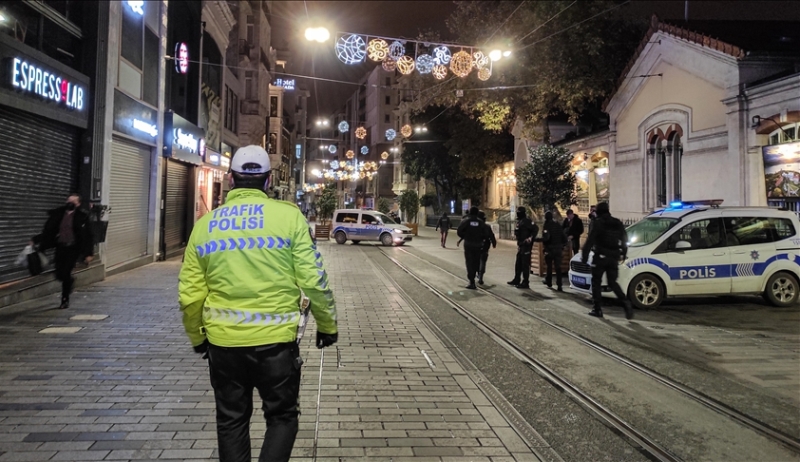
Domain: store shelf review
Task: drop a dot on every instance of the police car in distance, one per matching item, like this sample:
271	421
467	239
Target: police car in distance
699	248
368	225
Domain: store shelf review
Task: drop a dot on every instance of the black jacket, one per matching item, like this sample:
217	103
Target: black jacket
553	236
526	229
81	229
608	239
574	229
473	230
443	224
490	241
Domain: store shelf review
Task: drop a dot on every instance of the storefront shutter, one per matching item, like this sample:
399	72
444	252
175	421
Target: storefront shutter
37	170
130	202
175	206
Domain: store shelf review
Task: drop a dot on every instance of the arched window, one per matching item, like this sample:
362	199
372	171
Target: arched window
785	134
676	151
655	149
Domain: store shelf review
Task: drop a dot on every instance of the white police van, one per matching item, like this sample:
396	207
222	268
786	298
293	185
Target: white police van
700	248
368	225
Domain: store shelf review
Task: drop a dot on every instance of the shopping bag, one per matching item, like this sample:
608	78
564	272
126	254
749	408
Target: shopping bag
34	263
22	258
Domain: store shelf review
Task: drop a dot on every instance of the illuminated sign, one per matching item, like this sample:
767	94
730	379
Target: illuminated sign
287	84
31	78
225	162
186	141
181	58
145	127
137	6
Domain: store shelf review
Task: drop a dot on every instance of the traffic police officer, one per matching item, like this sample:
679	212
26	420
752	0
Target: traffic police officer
473	231
609	241
240	287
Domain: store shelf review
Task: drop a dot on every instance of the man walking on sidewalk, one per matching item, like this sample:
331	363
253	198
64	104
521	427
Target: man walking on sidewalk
609	241
244	267
489	242
553	239
473	231
525	233
68	231
443	226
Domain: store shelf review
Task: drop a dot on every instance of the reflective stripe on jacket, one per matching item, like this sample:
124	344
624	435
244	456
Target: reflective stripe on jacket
244	267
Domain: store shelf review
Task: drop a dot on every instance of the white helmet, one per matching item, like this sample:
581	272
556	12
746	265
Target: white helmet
250	160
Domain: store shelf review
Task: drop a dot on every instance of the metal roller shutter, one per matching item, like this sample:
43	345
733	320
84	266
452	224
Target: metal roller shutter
38	170
129	200
175	207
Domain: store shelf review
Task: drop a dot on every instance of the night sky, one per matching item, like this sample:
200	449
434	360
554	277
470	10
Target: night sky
405	19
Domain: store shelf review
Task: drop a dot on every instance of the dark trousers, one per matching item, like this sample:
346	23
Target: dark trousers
274	370
482	265
64	262
553	259
473	259
522	265
576	245
609	267
444	237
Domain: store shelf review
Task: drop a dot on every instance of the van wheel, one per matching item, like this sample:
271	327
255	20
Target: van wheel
386	239
356	242
646	291
782	289
340	237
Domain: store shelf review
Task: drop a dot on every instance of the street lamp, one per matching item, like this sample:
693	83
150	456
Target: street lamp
317	34
322	123
497	54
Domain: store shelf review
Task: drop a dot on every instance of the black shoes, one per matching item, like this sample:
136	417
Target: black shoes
64	304
513	283
628	310
480	281
472	286
596	312
522	286
559	289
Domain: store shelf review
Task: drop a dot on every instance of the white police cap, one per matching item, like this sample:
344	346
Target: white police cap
250	160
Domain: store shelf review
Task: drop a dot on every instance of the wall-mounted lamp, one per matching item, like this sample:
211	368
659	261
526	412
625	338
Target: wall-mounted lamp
756	121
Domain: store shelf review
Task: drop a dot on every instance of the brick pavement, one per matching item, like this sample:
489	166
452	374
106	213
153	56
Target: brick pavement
124	384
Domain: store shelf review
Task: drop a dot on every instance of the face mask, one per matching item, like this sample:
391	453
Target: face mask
70	206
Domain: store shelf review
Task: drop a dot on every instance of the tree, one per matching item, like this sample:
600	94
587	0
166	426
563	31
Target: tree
327	203
409	205
383	205
547	180
429	199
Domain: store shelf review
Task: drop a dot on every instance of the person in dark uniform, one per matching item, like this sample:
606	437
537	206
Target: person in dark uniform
490	241
68	231
554	240
608	240
525	232
443	226
573	227
473	231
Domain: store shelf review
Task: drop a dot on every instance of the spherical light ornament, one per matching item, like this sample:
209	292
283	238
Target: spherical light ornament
378	49
384	155
440	71
361	133
335	164
479	60
461	64
364	150
350	154
343	126
396	50
442	55
351	49
406	131
495	55
332	149
389	65
425	64
484	73
405	65
391	134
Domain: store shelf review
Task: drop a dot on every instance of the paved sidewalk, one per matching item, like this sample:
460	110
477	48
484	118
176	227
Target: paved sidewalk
113	378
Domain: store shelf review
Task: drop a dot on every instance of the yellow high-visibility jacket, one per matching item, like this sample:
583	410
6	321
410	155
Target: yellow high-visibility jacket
244	267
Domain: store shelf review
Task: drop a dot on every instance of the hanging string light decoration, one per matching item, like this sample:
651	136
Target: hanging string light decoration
440	71
461	64
485	73
391	134
343	126
361	133
351	49
384	155
350	154
396	50
442	55
378	49
406	130
405	65
479	60
364	150
425	64
389	65
334	164
332	149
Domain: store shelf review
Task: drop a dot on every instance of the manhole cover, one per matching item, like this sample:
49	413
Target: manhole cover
60	330
88	317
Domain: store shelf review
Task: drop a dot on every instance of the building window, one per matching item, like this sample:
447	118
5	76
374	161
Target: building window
676	151
273	106
251	30
249	89
388	81
788	134
657	152
387	118
139	50
388	99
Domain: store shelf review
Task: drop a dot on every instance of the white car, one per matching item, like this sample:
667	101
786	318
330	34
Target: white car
368	225
687	250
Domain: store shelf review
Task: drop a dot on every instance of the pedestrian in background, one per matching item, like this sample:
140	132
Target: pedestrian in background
592	216
473	231
573	228
525	232
443	226
68	230
240	307
554	240
489	242
608	240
